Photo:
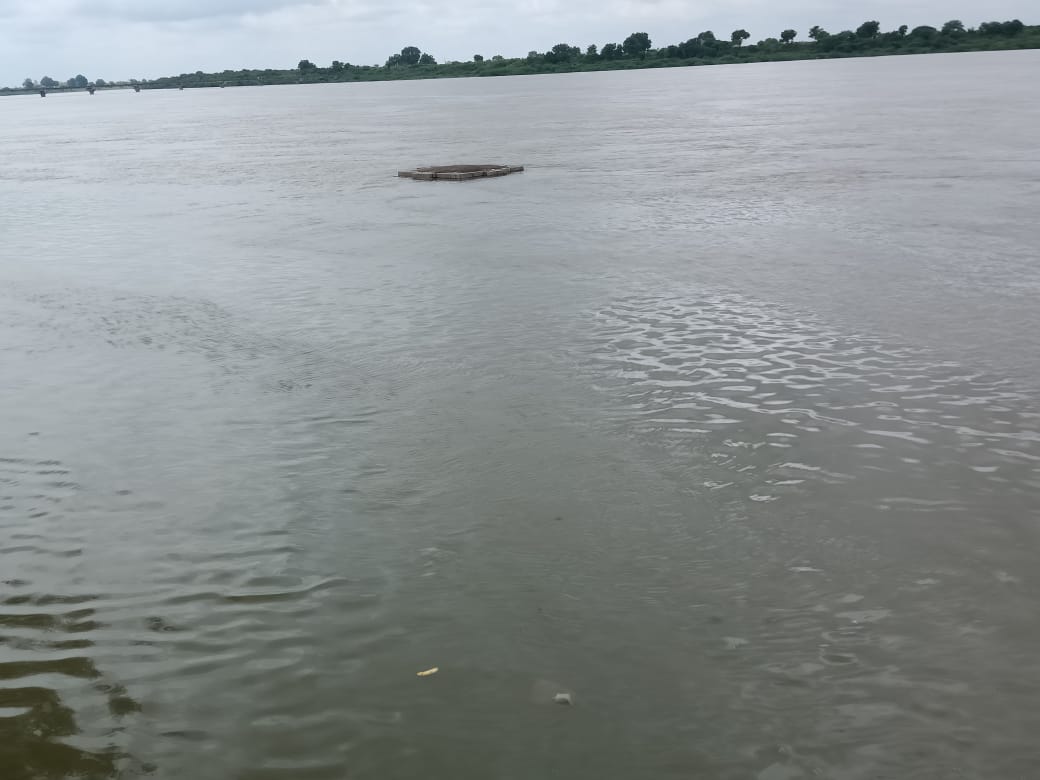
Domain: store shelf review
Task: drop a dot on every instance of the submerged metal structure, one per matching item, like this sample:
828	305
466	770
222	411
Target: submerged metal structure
458	172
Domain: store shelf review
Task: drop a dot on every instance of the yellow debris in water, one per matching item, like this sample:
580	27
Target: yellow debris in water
428	672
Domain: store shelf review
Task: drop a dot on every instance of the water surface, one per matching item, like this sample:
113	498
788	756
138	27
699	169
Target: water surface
724	416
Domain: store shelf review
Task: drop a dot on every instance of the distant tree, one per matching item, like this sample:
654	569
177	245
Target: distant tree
534	56
305	66
48	82
707	38
497	58
902	30
817	32
769	43
70	82
478	57
81	80
637	45
869	29
410	55
28	84
788	36
953	27
924	32
426	59
739	36
392	60
336	66
562	52
611	51
1014	27
100	83
592	53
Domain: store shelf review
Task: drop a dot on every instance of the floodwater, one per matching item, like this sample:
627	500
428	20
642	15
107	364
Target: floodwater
723	417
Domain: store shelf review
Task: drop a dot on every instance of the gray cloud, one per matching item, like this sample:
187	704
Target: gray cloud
182	10
138	38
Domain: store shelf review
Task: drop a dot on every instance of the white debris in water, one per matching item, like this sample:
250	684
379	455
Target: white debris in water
563	698
866	615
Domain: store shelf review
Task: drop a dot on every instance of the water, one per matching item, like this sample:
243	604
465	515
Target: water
724	417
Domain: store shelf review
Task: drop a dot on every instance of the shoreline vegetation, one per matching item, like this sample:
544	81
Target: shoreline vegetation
635	52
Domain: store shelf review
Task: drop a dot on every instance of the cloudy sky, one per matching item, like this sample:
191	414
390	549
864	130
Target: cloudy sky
117	39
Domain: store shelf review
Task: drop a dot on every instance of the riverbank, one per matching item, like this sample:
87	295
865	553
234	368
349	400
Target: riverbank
634	53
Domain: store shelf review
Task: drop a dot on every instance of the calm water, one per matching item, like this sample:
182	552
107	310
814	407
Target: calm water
724	416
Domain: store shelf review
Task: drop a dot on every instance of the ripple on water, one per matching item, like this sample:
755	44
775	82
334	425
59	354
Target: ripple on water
61	713
749	385
85	666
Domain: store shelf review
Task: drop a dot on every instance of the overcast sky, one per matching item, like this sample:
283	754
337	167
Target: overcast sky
117	39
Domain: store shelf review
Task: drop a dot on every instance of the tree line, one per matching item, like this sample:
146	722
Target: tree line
635	51
865	39
76	82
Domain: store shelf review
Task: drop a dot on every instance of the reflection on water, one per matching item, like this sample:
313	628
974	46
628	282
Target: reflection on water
60	716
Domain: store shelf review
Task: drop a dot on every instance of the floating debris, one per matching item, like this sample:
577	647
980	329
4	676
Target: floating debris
459	172
563	698
428	672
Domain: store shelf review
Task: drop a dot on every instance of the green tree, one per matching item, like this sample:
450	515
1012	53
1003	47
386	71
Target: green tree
902	30
410	55
924	32
562	52
48	82
478	57
336	66
592	53
81	80
817	32
739	36
28	84
707	38
100	83
869	29
70	82
636	45
611	51
953	27
1014	27
426	59
306	66
788	36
